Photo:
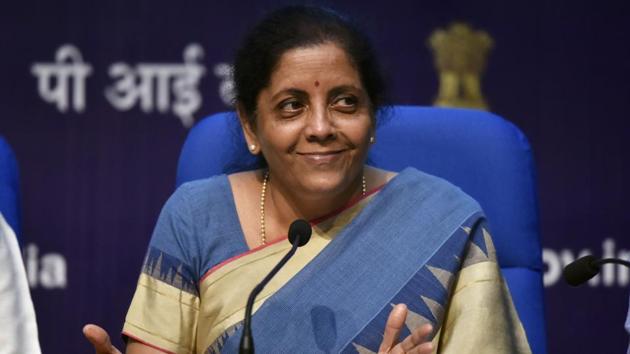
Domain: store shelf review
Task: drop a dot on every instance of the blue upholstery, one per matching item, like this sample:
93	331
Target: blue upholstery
486	156
9	187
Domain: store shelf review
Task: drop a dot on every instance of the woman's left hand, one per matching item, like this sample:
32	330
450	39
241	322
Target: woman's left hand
416	342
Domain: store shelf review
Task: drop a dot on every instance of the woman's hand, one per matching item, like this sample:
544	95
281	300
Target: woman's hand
415	343
99	339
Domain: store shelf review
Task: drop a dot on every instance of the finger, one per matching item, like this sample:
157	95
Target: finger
99	339
424	348
417	337
394	324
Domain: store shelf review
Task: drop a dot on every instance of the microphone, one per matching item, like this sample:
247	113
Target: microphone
299	234
584	268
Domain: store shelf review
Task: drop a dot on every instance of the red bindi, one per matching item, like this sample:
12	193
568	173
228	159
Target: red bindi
316	83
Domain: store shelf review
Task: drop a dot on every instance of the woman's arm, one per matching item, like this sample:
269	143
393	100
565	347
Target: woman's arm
481	317
135	347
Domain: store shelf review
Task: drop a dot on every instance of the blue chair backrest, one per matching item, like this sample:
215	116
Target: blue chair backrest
486	156
9	188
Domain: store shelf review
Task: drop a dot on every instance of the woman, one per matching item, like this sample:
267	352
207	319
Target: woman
308	89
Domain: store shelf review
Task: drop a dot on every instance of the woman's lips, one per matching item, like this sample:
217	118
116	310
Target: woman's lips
321	157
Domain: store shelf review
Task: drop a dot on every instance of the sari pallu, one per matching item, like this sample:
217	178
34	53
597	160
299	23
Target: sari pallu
418	241
421	242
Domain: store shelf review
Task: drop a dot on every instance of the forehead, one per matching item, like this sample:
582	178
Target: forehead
327	64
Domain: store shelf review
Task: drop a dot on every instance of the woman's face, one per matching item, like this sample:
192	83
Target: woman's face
313	122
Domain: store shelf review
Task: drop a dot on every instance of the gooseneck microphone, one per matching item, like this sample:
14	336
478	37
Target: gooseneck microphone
299	234
584	268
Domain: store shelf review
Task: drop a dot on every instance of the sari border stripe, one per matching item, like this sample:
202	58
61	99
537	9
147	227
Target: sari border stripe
127	334
474	215
240	255
313	222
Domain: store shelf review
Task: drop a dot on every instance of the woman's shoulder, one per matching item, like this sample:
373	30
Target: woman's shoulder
202	193
200	203
201	219
415	181
209	184
408	176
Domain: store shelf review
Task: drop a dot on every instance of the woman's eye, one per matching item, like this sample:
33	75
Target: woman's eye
346	103
291	106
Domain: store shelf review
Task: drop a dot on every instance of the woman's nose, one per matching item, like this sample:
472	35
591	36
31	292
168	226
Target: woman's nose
320	126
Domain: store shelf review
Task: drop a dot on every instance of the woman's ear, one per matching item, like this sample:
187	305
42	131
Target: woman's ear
372	132
248	130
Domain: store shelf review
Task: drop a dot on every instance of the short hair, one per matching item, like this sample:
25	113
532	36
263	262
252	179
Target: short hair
297	27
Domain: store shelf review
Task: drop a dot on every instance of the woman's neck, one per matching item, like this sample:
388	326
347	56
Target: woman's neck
284	205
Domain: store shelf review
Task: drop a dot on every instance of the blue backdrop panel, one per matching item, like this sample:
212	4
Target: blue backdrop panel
9	187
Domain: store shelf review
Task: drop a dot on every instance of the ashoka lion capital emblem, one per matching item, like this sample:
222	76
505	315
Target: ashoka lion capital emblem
460	56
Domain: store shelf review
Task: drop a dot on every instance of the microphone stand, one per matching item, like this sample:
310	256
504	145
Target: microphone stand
247	341
600	262
299	235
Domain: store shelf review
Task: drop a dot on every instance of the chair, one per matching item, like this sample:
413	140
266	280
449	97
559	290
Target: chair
9	187
486	156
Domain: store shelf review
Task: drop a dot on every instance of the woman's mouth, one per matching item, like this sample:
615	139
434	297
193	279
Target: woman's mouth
321	157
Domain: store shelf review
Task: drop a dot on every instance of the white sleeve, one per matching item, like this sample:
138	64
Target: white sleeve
628	327
18	328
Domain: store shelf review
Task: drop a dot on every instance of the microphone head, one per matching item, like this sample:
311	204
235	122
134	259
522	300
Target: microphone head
300	232
580	271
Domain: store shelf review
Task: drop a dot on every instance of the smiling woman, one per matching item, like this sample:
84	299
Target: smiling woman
308	89
314	138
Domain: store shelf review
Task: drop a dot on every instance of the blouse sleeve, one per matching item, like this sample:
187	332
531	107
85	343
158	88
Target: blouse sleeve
164	310
18	328
481	317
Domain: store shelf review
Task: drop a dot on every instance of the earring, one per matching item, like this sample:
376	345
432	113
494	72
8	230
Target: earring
372	140
252	147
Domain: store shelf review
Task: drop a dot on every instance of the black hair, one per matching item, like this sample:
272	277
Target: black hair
295	27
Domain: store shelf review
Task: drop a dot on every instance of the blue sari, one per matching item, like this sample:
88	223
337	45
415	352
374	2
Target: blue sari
418	241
